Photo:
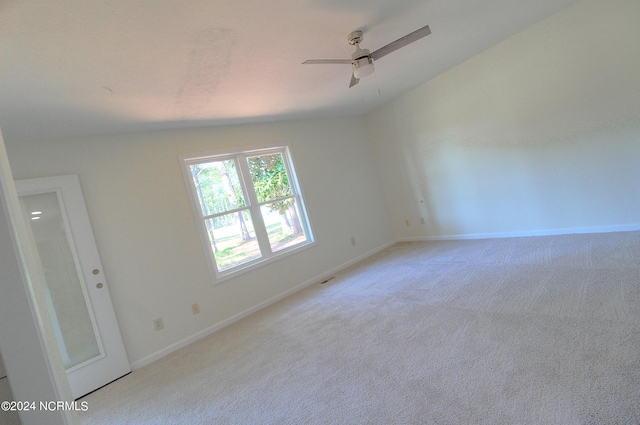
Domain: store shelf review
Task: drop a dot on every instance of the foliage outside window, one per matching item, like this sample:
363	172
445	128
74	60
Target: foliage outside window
249	207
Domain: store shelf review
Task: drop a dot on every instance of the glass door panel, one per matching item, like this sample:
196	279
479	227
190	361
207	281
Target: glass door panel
70	310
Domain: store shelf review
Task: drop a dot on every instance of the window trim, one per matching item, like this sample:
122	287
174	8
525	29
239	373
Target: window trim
239	155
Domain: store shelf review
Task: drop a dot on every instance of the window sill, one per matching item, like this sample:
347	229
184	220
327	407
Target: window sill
221	277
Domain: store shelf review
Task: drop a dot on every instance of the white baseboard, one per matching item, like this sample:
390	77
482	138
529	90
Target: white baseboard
226	322
547	232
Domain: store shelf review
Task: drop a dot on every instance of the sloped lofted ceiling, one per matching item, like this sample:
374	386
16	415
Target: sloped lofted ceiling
72	68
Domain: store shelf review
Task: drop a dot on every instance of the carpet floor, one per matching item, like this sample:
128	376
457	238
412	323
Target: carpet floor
536	330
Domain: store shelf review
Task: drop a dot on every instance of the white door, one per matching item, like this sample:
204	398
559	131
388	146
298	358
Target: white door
78	296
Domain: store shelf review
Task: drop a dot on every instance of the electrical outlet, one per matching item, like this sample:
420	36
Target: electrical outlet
406	223
157	324
422	220
353	240
195	308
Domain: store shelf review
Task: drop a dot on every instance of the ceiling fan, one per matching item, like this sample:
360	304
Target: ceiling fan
362	60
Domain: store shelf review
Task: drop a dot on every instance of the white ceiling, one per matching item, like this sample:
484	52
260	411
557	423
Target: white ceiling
70	68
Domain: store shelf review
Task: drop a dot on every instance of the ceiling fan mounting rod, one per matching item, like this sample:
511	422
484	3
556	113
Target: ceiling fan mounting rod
354	37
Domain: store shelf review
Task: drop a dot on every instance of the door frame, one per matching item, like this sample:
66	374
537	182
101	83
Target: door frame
29	351
112	363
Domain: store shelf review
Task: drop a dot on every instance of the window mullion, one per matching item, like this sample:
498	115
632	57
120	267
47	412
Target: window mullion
280	199
219	179
220	214
254	206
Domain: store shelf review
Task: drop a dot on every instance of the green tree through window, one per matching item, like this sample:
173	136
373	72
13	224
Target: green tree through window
248	220
271	183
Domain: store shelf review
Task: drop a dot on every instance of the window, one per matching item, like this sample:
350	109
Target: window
249	207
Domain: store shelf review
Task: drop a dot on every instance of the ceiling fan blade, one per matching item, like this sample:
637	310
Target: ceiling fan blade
327	61
354	80
401	42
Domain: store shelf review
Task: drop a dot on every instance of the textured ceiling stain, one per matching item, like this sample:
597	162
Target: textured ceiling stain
172	64
207	64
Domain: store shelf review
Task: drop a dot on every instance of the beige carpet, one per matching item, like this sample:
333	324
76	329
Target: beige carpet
540	330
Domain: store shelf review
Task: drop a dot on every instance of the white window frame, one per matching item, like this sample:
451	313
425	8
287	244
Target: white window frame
252	204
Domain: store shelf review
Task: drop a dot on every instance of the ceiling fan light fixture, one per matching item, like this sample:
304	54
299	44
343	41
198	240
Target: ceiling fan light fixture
362	59
363	67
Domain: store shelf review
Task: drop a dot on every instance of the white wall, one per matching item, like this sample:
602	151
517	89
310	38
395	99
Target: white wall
145	229
540	133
